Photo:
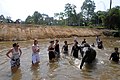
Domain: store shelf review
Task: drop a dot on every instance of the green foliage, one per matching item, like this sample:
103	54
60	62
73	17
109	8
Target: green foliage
88	8
29	20
98	18
112	19
37	17
71	14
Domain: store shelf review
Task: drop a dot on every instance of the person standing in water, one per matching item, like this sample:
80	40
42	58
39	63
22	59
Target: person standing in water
57	49
100	45
65	48
97	40
51	53
93	45
15	57
84	41
35	53
75	50
115	55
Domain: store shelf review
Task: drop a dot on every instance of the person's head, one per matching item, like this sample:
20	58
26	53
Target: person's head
84	39
97	36
57	41
51	42
15	45
65	42
116	49
76	43
35	42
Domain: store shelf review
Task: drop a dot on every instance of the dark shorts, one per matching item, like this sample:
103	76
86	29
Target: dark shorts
65	52
51	55
15	62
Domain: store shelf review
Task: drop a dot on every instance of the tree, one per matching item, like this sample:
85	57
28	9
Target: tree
29	20
60	18
9	20
112	19
18	21
110	4
2	18
37	17
88	8
80	19
60	15
70	13
98	18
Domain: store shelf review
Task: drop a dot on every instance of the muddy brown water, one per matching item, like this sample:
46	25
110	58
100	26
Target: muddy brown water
65	68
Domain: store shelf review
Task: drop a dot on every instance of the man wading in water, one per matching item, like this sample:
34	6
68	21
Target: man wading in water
115	55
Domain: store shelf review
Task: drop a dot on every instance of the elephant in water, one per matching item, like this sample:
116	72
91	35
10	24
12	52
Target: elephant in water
89	55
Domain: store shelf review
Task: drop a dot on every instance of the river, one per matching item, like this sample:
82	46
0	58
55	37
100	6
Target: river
65	68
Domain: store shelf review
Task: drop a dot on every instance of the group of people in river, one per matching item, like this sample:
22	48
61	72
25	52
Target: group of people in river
88	54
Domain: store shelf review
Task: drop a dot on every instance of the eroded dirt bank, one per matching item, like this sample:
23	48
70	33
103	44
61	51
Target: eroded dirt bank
27	32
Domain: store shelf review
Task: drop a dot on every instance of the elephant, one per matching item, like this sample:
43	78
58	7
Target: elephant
89	55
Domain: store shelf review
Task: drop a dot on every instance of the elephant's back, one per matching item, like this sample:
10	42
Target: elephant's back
91	56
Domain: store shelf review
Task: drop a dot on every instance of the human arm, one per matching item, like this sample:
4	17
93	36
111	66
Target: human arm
7	54
110	57
38	49
35	49
72	50
20	52
62	49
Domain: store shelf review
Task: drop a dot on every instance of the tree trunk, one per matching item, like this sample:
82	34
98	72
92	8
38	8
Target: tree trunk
110	4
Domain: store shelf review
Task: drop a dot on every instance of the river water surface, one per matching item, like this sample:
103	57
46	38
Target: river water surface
66	68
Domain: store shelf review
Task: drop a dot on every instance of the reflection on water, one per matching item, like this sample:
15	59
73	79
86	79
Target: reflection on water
35	69
17	75
67	68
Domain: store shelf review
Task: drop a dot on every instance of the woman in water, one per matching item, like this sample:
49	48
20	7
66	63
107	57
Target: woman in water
51	50
75	50
57	49
35	53
15	57
65	48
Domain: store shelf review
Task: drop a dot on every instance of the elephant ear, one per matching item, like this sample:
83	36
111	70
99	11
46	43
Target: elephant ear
85	49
